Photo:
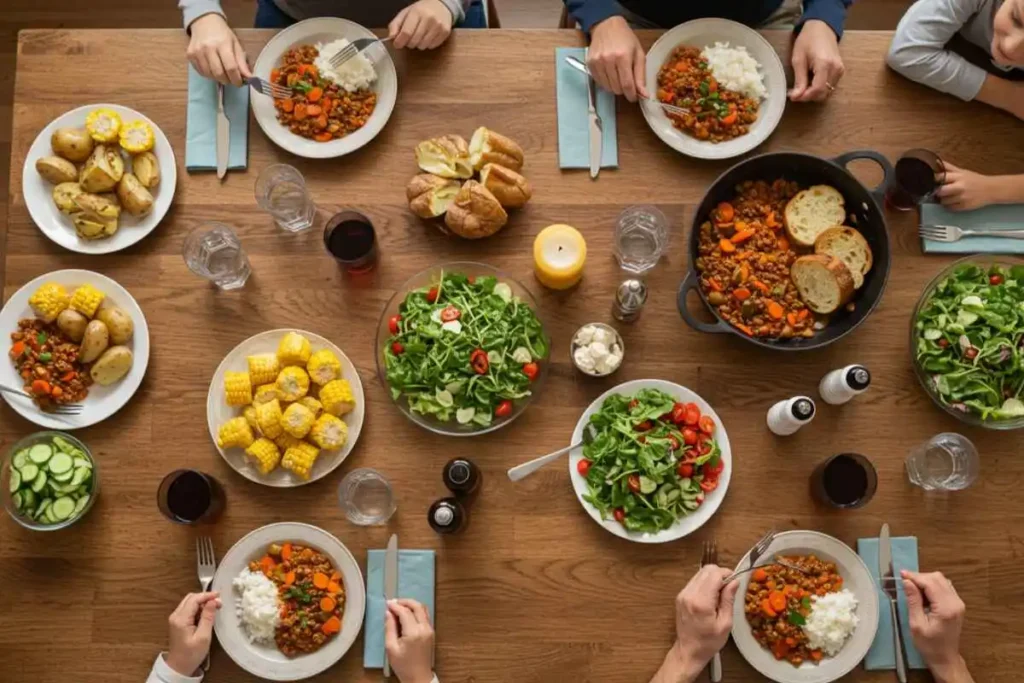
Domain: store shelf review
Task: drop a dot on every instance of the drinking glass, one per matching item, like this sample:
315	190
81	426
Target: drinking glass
366	497
281	192
641	236
946	462
213	251
846	480
350	238
190	497
919	174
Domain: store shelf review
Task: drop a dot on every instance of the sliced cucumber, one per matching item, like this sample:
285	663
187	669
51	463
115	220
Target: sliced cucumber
29	472
62	508
80	505
83	462
15	480
28	499
39	482
63	489
66	446
16	499
63	477
43	507
59	463
82	490
81	475
20	458
48	516
40	453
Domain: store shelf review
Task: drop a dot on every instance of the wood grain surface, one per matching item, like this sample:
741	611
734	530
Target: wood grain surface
534	591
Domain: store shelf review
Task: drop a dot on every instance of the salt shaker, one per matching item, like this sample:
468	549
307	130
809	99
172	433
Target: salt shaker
629	299
839	386
789	415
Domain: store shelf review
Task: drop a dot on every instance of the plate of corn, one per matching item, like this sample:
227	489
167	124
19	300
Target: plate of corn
285	408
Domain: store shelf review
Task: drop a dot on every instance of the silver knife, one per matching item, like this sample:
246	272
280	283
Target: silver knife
390	584
596	131
887	575
223	134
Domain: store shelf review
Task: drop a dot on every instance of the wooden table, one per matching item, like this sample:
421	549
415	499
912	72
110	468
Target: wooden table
533	592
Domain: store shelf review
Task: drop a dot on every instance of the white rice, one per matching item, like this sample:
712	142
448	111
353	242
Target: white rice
355	74
735	70
831	621
257	607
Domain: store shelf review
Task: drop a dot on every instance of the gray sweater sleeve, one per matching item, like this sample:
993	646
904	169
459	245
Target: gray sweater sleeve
193	9
918	49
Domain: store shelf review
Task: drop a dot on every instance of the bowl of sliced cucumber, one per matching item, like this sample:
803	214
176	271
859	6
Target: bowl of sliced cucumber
49	481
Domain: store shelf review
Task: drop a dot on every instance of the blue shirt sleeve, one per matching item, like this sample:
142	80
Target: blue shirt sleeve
591	12
832	12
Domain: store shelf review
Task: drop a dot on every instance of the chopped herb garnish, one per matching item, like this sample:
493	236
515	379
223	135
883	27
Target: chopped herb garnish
805	602
705	87
796	618
302	86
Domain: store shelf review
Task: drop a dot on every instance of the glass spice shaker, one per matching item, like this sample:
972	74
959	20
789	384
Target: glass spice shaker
629	300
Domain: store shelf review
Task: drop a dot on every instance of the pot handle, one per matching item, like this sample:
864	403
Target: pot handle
878	192
690	283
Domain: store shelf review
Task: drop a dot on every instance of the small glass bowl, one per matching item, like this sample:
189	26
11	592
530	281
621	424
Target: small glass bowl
618	340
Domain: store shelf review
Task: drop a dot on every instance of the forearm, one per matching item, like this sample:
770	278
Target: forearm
956	671
1003	94
591	12
193	9
677	668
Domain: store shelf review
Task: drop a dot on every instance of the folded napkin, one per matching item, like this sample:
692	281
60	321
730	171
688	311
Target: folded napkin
998	217
573	122
415	581
882	655
201	124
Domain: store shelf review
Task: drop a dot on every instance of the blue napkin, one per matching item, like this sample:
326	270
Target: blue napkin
415	581
1004	216
882	655
573	124
201	124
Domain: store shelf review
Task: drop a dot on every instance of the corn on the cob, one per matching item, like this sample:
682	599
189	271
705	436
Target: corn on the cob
292	384
103	124
314	405
268	415
336	397
263	368
329	432
323	366
49	300
285	441
264	394
235	432
297	420
264	455
249	413
293	350
237	388
86	300
136	137
299	459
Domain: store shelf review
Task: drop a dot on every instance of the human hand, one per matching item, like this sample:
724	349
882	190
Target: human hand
816	51
189	642
409	641
964	190
936	631
215	52
616	60
422	25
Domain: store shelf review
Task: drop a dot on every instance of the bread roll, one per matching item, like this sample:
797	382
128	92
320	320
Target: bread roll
823	282
446	156
850	247
429	195
488	147
812	212
511	189
475	212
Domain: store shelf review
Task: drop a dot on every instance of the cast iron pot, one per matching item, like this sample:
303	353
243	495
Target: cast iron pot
863	208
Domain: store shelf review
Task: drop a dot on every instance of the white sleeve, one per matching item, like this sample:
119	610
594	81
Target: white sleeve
162	673
918	50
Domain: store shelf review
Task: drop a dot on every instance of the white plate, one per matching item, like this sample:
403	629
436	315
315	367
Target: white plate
686	525
856	578
58	227
218	411
102	402
266	661
703	33
311	32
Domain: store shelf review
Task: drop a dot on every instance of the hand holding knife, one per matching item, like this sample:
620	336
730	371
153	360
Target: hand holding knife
887	577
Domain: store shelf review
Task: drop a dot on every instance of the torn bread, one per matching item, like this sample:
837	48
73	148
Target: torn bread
475	212
488	147
850	247
511	189
823	282
430	195
446	156
812	212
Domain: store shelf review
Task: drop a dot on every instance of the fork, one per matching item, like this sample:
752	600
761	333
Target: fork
269	89
354	48
60	409
954	233
755	554
206	563
710	556
671	108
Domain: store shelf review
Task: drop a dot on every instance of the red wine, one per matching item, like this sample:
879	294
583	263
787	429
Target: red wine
915	179
351	239
188	496
847	480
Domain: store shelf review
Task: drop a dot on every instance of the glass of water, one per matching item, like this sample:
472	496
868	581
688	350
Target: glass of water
281	192
946	462
366	497
214	252
641	236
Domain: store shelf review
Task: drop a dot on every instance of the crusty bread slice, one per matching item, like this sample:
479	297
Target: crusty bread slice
813	211
850	247
824	282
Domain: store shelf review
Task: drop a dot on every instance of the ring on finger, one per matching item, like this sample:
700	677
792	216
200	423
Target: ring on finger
831	88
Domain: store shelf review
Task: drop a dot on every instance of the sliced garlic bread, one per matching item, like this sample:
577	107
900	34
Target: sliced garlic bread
824	282
812	212
850	247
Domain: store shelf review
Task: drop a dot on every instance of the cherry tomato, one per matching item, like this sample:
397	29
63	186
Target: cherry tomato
478	361
642	439
707	424
432	294
691	416
700	498
397	348
685	470
995	279
583	467
471	279
531	370
643	426
634	483
689	437
632	404
703	444
971	353
504	409
619	514
678	413
674	441
943	342
450	313
709	485
714	471
393	324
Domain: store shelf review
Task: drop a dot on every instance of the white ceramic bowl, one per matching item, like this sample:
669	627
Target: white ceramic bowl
311	32
703	33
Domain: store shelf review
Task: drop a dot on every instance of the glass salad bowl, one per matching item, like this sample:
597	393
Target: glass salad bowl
966	338
461	349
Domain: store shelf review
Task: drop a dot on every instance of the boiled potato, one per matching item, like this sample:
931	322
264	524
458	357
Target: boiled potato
64	197
94	341
56	170
102	170
72	324
112	365
147	169
73	144
118	323
92	227
135	198
103	206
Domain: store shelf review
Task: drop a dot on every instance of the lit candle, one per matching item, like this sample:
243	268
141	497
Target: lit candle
559	253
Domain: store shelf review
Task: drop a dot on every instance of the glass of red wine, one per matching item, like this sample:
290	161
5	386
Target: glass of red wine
190	497
919	175
350	238
845	481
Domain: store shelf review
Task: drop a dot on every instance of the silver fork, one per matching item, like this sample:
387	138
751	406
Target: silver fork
954	233
354	48
710	556
755	554
206	563
269	89
59	409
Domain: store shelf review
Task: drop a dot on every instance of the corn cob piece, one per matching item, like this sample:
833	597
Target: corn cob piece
103	124
263	368
264	455
292	384
323	366
237	388
136	137
296	420
264	394
235	432
299	459
49	300
329	432
293	350
284	441
268	415
336	397
86	300
313	404
249	413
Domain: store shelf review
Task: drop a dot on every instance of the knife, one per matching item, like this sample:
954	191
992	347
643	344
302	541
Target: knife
596	131
887	575
390	585
223	134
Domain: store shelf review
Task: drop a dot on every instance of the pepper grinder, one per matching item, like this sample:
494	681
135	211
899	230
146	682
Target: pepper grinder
789	415
839	386
629	300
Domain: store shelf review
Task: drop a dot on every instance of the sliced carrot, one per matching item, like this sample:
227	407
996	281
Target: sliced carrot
300	112
771	585
782	244
323	137
770	220
321	121
742	236
327	604
68	376
308	69
767	608
682	67
816	655
314	110
777	600
289	578
729	119
780	649
40	387
335	575
741	293
333	588
745	330
802	315
327	104
726	246
275	74
315	94
332	625
716	286
744	272
725	212
18	349
287	105
286	551
306	554
791	319
56	392
267	564
712	85
320	580
775	310
791	641
760	286
759	575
